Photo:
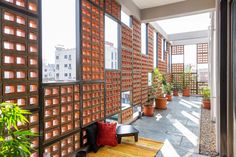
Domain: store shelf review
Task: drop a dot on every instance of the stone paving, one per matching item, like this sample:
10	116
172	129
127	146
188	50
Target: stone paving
178	127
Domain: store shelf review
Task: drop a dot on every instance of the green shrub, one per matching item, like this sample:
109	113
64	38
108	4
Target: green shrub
168	88
206	93
14	142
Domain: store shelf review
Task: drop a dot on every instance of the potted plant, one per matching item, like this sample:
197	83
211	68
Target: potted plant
159	81
148	108
176	88
186	89
206	98
13	141
168	88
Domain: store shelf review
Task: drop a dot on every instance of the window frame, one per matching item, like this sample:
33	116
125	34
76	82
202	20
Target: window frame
131	103
77	37
156	52
163	49
146	39
149	81
130	19
119	36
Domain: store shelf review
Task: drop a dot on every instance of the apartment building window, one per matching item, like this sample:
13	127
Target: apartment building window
112	43
69	57
45	70
125	19
144	38
65	75
58	35
65	65
69	66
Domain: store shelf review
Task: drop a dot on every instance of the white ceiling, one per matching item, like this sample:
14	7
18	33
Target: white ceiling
142	4
191	23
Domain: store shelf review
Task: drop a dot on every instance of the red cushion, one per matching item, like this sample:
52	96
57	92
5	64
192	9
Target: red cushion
106	134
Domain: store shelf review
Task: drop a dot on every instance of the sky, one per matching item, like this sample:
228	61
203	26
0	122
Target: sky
58	26
186	23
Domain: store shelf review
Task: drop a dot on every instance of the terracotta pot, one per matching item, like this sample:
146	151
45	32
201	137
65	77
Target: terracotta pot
175	93
161	103
169	97
206	104
186	92
148	109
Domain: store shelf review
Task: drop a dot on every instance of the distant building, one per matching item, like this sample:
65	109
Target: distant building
203	75
112	57
65	64
48	72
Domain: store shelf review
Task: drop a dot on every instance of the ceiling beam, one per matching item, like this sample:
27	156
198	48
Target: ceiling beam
188	7
130	8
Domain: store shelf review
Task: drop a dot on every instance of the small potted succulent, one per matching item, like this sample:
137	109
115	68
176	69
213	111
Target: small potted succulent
206	98
168	88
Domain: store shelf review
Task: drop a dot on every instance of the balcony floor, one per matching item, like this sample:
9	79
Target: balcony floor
178	127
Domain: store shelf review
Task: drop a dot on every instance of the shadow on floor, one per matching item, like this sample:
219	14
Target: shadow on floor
178	127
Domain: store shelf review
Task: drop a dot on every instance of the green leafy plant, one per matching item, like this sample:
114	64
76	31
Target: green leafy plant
206	93
168	88
13	141
157	80
185	84
176	86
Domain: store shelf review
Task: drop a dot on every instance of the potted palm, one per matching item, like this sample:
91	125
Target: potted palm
13	141
159	81
168	88
206	98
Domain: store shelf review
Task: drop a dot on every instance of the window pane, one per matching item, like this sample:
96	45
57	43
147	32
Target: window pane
163	49
58	40
149	79
125	18
143	38
111	43
154	49
126	100
177	59
190	58
202	72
